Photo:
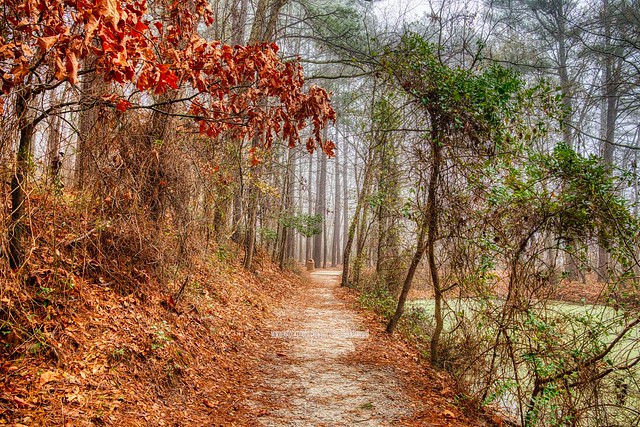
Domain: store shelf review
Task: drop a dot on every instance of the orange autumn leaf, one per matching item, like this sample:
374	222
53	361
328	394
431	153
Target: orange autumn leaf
123	105
60	71
71	64
109	11
45	43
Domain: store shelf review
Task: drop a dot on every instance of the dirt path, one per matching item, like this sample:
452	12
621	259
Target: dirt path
316	378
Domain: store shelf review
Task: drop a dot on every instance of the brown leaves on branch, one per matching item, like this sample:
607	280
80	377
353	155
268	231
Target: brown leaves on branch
246	90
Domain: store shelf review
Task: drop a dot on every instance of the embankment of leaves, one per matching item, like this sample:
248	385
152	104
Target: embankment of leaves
92	337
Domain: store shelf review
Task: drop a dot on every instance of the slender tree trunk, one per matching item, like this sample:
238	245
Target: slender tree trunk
158	133
335	244
321	208
611	113
250	234
262	30
290	243
286	240
239	21
53	158
431	225
363	234
406	287
354	224
345	206
238	234
433	211
379	245
309	240
18	228
571	267
300	209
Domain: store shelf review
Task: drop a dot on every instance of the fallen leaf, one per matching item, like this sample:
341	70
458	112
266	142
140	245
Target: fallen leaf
21	402
48	377
447	413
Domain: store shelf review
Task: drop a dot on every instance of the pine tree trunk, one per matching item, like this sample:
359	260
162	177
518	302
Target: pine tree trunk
308	239
354	224
321	194
611	113
335	244
345	206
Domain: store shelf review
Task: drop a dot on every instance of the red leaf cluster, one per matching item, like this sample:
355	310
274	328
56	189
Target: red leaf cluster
246	90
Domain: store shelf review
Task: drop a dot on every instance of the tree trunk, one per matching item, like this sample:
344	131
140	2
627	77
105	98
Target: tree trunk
238	234
18	228
406	287
345	205
157	135
300	208
262	30
265	20
570	266
238	21
286	241
290	244
433	211
92	126
354	224
308	240
335	244
611	78
53	158
321	208
250	234
363	234
431	224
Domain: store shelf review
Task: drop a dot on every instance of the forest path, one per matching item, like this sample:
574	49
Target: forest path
316	377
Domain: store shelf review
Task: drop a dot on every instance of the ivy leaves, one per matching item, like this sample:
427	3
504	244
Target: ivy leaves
307	225
485	106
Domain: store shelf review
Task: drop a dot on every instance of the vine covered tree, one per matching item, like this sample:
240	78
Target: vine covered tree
470	115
